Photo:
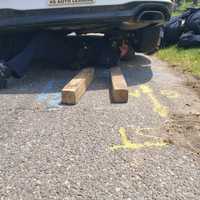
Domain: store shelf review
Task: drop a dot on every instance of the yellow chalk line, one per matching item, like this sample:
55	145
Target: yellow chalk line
135	93
163	111
127	144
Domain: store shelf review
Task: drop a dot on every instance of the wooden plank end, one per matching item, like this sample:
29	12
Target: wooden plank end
76	88
119	88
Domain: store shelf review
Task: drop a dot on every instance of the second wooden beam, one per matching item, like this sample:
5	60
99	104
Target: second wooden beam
119	88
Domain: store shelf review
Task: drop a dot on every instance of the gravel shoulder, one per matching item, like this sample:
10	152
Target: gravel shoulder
145	149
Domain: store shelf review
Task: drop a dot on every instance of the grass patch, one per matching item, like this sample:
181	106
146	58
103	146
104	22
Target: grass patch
184	6
186	59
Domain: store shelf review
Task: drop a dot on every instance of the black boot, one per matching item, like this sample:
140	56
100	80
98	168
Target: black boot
5	73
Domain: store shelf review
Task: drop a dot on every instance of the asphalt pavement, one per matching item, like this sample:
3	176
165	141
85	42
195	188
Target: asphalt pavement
97	150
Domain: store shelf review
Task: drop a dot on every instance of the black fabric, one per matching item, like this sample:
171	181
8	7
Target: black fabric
174	28
183	29
67	52
97	52
172	31
189	39
103	54
193	21
13	43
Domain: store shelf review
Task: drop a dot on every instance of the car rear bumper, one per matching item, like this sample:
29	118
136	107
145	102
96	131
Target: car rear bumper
80	17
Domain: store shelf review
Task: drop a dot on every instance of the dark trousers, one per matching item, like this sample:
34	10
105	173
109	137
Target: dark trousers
49	46
69	52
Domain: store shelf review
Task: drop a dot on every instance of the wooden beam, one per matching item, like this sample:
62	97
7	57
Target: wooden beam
76	88
119	88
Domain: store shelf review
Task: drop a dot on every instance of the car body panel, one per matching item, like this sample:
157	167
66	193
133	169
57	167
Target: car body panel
43	4
100	16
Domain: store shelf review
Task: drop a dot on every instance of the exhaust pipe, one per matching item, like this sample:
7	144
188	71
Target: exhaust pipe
155	16
144	19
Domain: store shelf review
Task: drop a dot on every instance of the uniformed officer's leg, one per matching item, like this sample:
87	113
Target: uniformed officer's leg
45	45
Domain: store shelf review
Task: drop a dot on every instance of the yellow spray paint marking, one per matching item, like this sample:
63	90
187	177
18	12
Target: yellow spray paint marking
163	111
140	131
170	94
135	93
127	144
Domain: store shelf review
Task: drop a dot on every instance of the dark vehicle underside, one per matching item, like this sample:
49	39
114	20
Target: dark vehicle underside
137	22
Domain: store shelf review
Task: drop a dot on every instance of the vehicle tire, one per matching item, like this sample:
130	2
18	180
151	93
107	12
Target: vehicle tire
148	40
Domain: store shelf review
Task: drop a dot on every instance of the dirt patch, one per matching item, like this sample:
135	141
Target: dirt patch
184	131
192	81
194	84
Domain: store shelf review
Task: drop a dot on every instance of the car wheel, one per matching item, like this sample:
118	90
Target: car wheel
147	40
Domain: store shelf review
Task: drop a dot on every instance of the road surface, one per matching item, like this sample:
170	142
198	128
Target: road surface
145	149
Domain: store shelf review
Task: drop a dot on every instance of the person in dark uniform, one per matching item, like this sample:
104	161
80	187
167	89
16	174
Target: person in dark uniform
55	47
